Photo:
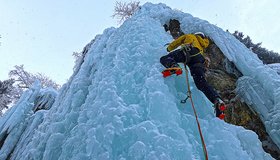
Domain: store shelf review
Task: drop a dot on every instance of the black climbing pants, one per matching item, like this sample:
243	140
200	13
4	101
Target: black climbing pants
197	70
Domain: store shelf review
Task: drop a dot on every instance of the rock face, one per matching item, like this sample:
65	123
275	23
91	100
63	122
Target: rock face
223	75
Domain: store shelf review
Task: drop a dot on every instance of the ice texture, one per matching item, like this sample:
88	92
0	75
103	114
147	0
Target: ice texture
117	105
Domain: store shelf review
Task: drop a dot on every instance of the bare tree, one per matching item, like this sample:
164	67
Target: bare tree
20	80
6	94
125	10
24	79
77	55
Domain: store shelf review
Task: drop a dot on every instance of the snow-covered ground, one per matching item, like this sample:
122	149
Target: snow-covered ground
117	105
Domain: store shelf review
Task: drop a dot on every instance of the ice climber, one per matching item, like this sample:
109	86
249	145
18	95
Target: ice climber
191	52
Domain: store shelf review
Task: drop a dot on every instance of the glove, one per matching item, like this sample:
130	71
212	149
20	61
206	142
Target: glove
207	62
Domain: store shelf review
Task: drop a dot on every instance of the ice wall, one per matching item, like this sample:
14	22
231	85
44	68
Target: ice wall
21	119
117	105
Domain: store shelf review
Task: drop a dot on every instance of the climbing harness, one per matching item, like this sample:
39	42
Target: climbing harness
186	50
189	95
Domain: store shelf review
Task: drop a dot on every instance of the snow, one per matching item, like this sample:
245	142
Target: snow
275	66
116	105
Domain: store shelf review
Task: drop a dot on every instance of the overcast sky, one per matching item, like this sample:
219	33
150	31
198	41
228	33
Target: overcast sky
42	35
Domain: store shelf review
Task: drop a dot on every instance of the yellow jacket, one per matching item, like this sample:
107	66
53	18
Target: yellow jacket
189	39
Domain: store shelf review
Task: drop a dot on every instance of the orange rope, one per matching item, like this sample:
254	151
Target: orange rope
198	125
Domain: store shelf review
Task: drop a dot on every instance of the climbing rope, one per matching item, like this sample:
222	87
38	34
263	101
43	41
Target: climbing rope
189	95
